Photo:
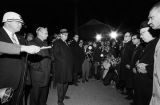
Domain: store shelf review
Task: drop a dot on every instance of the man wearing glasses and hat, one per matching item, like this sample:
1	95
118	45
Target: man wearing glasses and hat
63	65
12	65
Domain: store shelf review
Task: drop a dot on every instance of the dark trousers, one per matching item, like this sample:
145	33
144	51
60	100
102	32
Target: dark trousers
142	89
76	70
26	93
61	91
39	95
75	77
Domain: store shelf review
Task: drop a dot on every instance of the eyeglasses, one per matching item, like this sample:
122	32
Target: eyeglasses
65	34
134	38
127	36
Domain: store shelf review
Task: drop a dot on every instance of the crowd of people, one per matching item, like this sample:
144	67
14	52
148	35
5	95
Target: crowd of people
29	64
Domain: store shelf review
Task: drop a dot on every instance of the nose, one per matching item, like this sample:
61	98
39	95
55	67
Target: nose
149	22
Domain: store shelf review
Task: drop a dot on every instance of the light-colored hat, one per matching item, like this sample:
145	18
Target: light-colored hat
12	16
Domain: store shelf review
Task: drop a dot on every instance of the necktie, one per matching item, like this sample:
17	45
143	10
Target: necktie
66	43
14	39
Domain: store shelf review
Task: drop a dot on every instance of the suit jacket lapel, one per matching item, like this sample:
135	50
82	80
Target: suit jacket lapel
4	36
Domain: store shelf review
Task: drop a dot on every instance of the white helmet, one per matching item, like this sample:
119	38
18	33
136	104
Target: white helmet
12	16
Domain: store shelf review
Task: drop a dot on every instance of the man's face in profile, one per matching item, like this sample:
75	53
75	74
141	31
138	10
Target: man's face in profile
154	18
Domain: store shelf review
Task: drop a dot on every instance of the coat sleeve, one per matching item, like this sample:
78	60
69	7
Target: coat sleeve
9	48
157	67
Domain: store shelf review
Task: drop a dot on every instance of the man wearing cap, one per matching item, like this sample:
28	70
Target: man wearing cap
12	66
63	65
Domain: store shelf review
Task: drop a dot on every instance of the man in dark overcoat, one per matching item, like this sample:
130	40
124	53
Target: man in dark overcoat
63	65
137	53
126	55
76	51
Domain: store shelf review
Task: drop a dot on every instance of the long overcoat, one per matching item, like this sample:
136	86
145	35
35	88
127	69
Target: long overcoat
63	61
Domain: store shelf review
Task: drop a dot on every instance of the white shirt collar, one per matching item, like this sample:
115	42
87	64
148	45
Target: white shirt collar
8	32
10	35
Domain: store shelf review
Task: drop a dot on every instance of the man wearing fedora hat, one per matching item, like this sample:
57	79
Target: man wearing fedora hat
63	30
63	65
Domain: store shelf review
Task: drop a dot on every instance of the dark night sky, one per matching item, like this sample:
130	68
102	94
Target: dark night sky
122	14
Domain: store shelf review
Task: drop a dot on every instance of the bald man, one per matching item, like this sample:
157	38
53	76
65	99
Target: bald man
154	22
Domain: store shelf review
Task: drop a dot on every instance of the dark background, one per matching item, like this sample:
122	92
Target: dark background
124	15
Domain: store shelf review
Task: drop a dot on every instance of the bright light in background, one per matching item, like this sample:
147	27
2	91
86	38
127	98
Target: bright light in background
98	37
113	34
101	55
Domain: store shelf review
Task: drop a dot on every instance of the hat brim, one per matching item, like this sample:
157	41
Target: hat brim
64	32
18	20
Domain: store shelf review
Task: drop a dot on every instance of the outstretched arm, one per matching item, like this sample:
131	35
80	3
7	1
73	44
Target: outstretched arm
10	48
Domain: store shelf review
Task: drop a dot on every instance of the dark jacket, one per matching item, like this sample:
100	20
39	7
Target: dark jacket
63	62
76	52
136	55
126	53
11	66
148	57
126	56
40	65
